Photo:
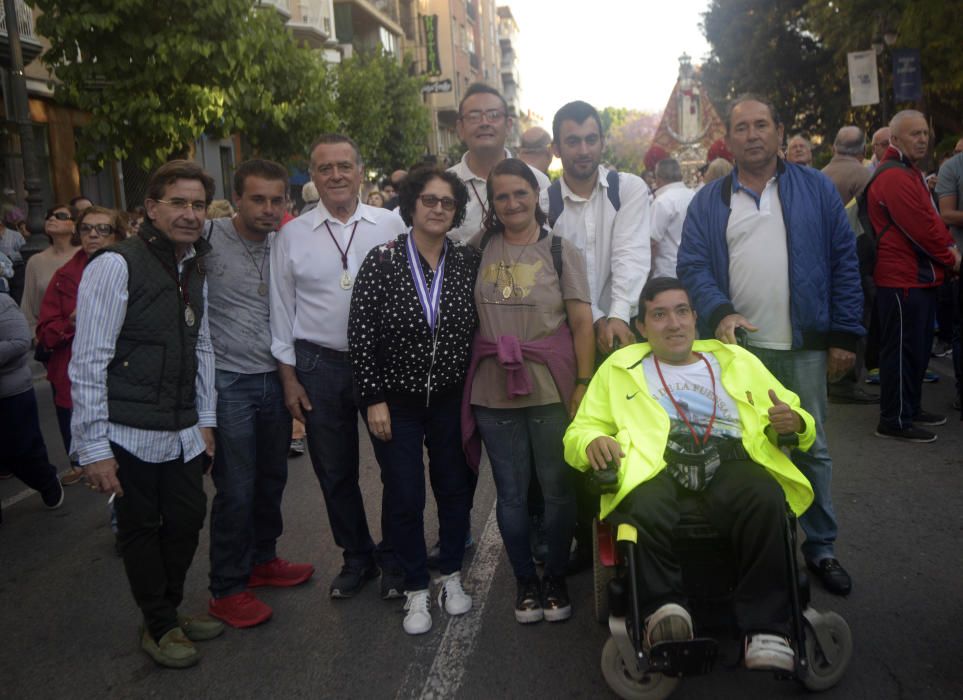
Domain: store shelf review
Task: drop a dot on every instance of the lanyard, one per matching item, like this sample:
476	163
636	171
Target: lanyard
430	297
678	408
344	253
478	197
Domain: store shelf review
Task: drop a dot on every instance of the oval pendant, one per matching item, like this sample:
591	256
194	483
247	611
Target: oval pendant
189	318
345	280
507	291
262	289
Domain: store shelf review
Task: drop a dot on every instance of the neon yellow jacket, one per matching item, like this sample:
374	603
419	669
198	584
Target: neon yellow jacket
641	426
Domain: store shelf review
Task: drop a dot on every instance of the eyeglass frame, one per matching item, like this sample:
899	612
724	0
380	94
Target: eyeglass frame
197	206
60	216
447	203
477	116
86	229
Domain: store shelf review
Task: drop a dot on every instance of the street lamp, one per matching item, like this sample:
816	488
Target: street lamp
883	41
21	115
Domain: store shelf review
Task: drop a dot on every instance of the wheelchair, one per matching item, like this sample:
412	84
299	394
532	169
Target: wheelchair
822	640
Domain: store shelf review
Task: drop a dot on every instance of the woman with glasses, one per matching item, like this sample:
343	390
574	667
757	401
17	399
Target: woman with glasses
59	227
531	362
409	334
96	227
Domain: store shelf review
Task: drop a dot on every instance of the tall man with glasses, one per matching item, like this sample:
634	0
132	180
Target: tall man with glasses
483	125
254	426
142	384
313	266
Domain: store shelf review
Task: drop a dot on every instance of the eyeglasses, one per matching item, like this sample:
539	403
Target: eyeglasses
492	116
60	216
431	201
99	229
198	206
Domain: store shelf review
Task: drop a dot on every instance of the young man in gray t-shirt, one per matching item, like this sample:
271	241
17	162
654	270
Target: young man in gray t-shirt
254	425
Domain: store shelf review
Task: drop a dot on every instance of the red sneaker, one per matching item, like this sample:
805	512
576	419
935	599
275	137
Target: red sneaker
239	610
280	573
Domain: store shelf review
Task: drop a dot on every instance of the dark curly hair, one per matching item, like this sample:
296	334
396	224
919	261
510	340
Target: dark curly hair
518	168
415	184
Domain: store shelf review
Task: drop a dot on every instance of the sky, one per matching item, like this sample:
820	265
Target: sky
610	53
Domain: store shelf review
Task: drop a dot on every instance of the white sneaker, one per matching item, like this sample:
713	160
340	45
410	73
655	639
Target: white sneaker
452	596
418	615
670	623
769	652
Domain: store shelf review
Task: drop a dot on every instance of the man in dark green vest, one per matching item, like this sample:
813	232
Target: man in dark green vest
142	378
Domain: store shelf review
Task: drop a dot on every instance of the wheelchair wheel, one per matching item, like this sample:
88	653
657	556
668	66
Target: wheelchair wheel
823	672
601	576
652	686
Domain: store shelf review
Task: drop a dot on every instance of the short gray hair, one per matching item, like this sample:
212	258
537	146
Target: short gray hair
850	141
899	117
668	170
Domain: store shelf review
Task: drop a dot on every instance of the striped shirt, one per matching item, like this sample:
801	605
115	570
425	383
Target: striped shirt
101	310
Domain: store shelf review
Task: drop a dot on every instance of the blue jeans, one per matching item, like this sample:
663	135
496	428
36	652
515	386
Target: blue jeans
250	472
513	437
332	433
437	427
804	373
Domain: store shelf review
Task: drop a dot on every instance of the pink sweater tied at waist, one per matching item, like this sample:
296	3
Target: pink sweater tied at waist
556	351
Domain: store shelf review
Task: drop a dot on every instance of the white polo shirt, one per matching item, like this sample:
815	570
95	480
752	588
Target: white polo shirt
759	264
478	197
668	215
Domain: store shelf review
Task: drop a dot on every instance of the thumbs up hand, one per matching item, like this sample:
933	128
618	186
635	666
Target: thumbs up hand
783	419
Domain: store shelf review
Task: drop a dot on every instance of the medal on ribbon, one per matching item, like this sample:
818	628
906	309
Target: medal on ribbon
430	297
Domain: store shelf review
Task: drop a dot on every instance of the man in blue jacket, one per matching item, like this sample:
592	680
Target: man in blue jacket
769	249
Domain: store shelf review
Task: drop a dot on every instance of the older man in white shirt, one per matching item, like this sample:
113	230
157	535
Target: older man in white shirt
672	199
313	265
483	125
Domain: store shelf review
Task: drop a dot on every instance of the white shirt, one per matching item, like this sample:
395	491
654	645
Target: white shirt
615	243
101	310
759	265
478	197
668	215
307	301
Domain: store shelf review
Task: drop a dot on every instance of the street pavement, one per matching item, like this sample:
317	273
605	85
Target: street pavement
69	624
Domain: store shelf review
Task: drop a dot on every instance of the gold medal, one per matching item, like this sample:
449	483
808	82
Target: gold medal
507	291
189	318
346	280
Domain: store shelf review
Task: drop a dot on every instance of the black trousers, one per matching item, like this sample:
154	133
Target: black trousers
22	449
158	521
745	504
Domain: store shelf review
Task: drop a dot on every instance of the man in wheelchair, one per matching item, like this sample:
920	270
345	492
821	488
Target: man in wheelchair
675	414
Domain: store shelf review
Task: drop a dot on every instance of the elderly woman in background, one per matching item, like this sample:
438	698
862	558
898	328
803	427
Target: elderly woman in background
59	227
531	362
410	333
97	227
219	209
375	199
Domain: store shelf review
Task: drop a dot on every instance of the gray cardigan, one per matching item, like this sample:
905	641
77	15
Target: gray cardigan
15	374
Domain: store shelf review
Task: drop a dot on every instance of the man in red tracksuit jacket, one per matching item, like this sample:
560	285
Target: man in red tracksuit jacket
914	253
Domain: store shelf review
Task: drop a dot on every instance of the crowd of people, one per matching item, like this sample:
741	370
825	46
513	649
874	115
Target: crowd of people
485	306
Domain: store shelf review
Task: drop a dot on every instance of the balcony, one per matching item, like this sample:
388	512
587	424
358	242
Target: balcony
280	5
30	45
310	24
389	8
471	11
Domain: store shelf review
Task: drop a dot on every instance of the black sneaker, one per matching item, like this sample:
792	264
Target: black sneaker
832	575
556	605
392	584
910	434
528	602
351	579
927	418
53	496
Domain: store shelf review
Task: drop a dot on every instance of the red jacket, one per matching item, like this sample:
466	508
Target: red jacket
55	328
914	247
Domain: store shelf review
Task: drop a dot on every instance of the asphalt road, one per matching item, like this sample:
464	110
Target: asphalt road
69	624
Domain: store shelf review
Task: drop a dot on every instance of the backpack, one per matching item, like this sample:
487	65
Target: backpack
556	203
556	250
867	240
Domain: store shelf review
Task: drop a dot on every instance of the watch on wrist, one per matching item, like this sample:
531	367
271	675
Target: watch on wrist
583	381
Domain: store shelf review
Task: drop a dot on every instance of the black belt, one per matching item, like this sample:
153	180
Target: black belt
322	351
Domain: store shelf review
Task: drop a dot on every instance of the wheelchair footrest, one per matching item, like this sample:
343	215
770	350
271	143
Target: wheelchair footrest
692	658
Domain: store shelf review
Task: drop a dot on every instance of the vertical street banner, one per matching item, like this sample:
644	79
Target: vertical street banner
863	83
432	55
907	75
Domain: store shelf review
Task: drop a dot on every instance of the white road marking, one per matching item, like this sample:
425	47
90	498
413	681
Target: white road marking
26	493
444	677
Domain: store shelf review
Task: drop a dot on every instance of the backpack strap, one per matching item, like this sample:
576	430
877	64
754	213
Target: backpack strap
557	255
862	201
555	203
613	189
210	230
